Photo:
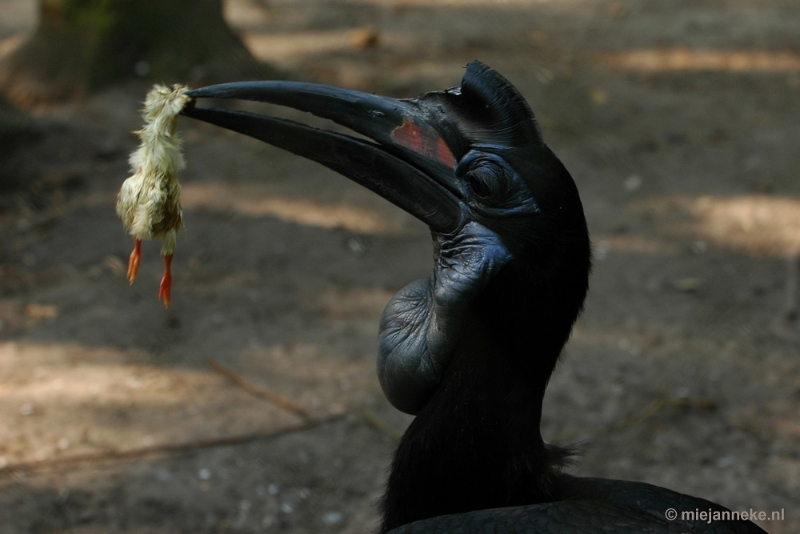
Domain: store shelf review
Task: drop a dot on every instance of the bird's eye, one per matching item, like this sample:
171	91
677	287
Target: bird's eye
487	183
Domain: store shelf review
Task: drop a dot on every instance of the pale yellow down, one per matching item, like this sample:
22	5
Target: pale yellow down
149	201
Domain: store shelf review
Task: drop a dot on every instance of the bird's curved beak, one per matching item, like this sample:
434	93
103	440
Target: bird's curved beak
408	161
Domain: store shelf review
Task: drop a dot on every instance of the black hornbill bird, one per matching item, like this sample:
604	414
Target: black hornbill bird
470	349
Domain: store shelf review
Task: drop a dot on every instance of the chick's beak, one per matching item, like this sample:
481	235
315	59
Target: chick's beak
406	160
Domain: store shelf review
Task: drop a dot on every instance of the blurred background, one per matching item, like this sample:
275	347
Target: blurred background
251	404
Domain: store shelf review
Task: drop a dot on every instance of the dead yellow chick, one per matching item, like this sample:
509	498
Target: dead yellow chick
149	201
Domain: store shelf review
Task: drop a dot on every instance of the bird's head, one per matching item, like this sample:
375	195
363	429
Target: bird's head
470	162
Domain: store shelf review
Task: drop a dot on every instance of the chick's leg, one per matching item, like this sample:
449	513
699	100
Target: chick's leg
166	281
133	261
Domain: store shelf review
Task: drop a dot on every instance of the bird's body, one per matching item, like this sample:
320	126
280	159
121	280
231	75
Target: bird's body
470	349
149	201
150	208
596	505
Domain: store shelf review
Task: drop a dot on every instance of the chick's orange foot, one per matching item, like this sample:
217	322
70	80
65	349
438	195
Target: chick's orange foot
166	281
135	258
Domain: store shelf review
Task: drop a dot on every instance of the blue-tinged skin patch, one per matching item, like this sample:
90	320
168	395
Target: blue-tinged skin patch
423	322
492	187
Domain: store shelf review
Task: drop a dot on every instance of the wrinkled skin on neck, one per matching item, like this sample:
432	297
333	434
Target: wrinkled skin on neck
424	321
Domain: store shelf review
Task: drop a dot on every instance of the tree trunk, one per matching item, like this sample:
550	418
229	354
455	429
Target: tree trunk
81	45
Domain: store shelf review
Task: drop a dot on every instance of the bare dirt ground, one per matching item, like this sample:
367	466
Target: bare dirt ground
680	122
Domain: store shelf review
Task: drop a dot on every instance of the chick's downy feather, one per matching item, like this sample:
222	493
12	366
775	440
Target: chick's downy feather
149	201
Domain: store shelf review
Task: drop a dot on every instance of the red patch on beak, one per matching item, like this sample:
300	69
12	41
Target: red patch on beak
423	140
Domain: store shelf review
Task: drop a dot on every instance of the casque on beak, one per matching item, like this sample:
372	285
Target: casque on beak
410	161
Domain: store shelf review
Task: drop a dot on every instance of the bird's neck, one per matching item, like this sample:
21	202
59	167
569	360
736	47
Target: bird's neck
477	443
